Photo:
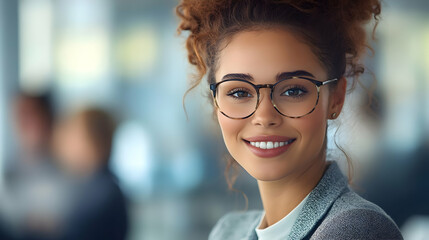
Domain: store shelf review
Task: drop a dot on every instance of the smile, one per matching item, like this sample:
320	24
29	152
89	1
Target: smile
268	146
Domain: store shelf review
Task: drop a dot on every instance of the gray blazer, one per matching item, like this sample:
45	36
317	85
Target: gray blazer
332	211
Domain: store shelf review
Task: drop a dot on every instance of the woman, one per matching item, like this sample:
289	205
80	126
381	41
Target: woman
277	73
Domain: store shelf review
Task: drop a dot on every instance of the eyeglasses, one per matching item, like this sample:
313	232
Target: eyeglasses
293	97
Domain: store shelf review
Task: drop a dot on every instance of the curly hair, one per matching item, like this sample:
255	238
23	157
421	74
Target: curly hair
334	29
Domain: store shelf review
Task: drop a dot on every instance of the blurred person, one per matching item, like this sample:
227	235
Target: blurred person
278	73
27	206
96	207
33	120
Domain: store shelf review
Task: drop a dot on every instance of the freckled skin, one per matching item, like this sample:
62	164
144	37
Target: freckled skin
263	54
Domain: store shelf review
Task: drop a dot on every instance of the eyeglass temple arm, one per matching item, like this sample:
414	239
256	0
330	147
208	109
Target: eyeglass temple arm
213	88
329	81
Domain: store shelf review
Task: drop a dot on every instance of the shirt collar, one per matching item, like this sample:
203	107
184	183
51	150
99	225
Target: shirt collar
282	228
330	187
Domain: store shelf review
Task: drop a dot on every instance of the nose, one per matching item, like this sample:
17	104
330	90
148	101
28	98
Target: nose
266	115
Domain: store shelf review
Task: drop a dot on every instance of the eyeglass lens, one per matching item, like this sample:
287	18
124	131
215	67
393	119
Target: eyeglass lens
292	97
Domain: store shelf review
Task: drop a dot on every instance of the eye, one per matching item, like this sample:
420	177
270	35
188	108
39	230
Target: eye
239	93
294	92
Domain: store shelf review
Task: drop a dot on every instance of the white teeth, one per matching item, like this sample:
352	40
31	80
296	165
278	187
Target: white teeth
270	145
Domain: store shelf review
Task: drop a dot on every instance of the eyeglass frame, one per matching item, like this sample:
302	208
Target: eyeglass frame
318	84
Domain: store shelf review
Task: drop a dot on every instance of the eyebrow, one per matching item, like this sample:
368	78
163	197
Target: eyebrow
299	73
243	76
279	77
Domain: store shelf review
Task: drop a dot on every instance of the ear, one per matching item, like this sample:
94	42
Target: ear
336	98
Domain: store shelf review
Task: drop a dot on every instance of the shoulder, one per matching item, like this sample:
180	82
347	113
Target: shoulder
353	217
235	225
104	184
99	194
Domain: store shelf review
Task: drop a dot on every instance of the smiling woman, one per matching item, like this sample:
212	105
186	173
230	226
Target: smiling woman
265	54
278	72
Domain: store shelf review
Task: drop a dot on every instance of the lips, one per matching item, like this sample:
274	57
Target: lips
268	146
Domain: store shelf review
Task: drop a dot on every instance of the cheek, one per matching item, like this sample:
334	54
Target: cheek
231	131
312	127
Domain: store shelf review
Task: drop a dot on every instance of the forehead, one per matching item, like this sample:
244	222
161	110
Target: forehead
266	53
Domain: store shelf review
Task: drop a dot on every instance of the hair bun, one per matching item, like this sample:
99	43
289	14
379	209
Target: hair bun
339	23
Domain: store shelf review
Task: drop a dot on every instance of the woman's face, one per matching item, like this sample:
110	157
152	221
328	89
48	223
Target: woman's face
263	55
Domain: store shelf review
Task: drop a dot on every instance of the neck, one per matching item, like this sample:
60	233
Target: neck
280	197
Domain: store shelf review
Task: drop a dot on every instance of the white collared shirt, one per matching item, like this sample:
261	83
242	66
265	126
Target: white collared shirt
282	228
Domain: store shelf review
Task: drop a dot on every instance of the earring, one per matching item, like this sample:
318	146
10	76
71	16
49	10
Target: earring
333	115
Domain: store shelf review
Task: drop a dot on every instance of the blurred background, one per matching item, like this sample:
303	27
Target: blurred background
70	63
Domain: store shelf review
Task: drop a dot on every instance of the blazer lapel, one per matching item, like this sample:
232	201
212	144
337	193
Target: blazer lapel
329	188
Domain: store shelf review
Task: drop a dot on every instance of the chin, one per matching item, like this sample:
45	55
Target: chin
267	170
268	176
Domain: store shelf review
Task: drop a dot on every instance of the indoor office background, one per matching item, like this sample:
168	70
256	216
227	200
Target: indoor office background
125	56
